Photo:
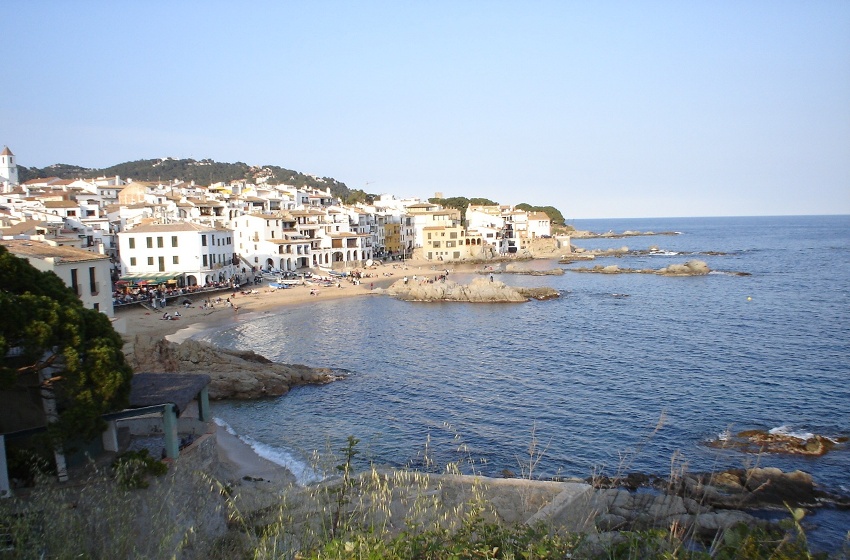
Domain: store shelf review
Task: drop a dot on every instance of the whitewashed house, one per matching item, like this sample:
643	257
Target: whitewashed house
85	272
183	253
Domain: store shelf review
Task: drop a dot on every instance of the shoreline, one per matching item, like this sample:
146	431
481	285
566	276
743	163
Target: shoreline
239	463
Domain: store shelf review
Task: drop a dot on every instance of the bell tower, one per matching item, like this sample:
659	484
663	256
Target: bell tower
8	169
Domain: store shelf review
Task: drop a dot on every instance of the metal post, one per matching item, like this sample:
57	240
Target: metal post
5	489
204	405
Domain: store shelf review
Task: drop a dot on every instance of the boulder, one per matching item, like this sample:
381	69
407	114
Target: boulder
690	268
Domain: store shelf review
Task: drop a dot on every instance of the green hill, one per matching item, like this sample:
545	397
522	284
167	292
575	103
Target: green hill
203	172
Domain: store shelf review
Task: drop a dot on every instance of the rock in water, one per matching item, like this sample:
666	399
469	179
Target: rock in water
480	290
234	374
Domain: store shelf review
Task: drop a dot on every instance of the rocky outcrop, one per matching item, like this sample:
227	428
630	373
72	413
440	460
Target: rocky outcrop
480	290
690	268
234	374
750	489
514	268
770	441
757	488
613	235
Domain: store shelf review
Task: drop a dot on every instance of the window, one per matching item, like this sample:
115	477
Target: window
174	241
175	260
92	282
150	261
132	242
429	236
150	242
161	264
204	240
453	235
205	261
74	285
159	243
436	244
132	261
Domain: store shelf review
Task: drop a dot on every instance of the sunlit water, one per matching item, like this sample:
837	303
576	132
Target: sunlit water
591	374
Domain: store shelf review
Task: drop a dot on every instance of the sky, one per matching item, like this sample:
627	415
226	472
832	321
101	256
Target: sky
602	109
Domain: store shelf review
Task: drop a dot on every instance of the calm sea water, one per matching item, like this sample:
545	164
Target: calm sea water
589	375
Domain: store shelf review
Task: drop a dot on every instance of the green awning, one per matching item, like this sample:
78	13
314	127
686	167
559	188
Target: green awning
150	278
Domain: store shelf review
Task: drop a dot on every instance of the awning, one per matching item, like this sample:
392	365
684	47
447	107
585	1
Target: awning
150	278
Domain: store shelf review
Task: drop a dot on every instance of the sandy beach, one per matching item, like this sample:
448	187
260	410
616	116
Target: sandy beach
136	319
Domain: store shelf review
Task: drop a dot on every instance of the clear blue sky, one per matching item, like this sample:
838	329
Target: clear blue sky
602	109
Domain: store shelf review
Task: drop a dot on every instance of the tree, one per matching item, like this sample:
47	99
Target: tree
45	328
554	214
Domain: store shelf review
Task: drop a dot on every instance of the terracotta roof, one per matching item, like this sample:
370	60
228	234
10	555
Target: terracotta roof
41	250
24	227
60	204
42	181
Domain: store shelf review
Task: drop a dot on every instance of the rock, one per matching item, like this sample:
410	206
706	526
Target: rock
234	374
690	268
540	294
762	441
480	290
758	488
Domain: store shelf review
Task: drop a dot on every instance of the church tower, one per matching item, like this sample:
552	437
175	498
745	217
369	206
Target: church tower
8	169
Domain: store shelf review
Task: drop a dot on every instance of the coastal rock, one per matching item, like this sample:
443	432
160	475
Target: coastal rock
690	268
621	509
234	374
480	290
770	441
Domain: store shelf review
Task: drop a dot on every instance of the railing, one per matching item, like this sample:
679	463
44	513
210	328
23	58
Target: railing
94	288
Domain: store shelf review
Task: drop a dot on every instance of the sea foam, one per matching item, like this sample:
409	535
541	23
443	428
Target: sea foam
303	473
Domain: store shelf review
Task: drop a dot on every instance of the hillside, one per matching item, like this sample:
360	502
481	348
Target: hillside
204	172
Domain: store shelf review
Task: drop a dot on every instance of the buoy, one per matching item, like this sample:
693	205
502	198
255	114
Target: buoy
749	298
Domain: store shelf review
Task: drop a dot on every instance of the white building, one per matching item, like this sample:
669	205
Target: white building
182	253
85	272
271	241
8	170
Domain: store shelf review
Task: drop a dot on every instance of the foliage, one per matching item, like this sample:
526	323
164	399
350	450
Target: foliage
359	196
132	468
462	203
554	214
45	328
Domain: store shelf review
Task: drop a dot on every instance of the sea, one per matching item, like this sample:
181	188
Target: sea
622	373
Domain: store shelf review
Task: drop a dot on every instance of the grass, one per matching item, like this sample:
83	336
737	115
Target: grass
374	514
